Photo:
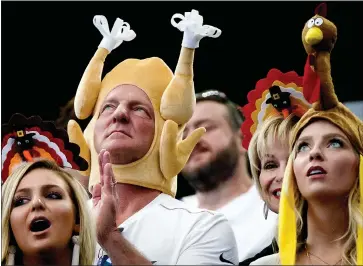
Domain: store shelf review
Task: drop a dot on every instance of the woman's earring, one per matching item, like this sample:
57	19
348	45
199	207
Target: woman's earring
265	210
75	255
11	255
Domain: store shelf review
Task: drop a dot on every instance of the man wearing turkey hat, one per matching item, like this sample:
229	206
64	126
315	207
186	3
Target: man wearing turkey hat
135	149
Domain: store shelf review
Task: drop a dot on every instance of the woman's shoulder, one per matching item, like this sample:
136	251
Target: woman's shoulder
267	260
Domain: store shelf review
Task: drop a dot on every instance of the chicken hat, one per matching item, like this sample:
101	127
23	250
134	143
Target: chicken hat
318	36
172	97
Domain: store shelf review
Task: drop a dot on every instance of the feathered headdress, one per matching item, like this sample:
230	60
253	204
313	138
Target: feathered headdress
279	94
24	139
319	36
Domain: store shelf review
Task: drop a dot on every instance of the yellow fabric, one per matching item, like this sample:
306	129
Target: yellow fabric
329	108
90	85
173	100
287	225
76	136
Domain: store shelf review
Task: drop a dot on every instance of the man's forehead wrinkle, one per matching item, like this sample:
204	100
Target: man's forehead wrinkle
150	98
141	100
128	95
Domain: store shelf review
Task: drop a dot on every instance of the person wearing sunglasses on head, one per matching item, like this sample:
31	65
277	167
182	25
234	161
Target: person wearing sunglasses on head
217	170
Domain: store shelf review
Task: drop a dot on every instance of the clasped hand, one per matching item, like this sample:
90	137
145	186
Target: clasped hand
105	197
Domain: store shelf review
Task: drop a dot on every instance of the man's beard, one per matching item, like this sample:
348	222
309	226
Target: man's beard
210	175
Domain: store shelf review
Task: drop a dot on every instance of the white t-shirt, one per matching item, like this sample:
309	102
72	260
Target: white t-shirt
245	214
168	232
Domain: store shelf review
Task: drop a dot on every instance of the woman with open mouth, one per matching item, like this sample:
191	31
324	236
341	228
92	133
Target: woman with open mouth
280	107
45	219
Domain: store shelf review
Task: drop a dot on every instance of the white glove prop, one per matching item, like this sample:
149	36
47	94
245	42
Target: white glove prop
120	32
194	30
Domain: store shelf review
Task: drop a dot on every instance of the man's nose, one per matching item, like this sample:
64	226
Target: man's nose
121	114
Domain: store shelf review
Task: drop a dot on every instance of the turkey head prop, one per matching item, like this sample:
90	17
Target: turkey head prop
319	37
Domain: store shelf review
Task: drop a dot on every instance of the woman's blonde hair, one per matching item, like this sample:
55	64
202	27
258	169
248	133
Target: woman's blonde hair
87	234
272	129
354	212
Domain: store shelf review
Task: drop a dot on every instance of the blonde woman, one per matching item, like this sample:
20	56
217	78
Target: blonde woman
268	149
323	185
321	205
268	154
45	219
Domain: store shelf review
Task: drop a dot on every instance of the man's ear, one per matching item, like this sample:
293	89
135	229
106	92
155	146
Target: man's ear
248	166
239	139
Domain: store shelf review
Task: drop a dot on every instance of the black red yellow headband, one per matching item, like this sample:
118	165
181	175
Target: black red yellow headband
24	139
